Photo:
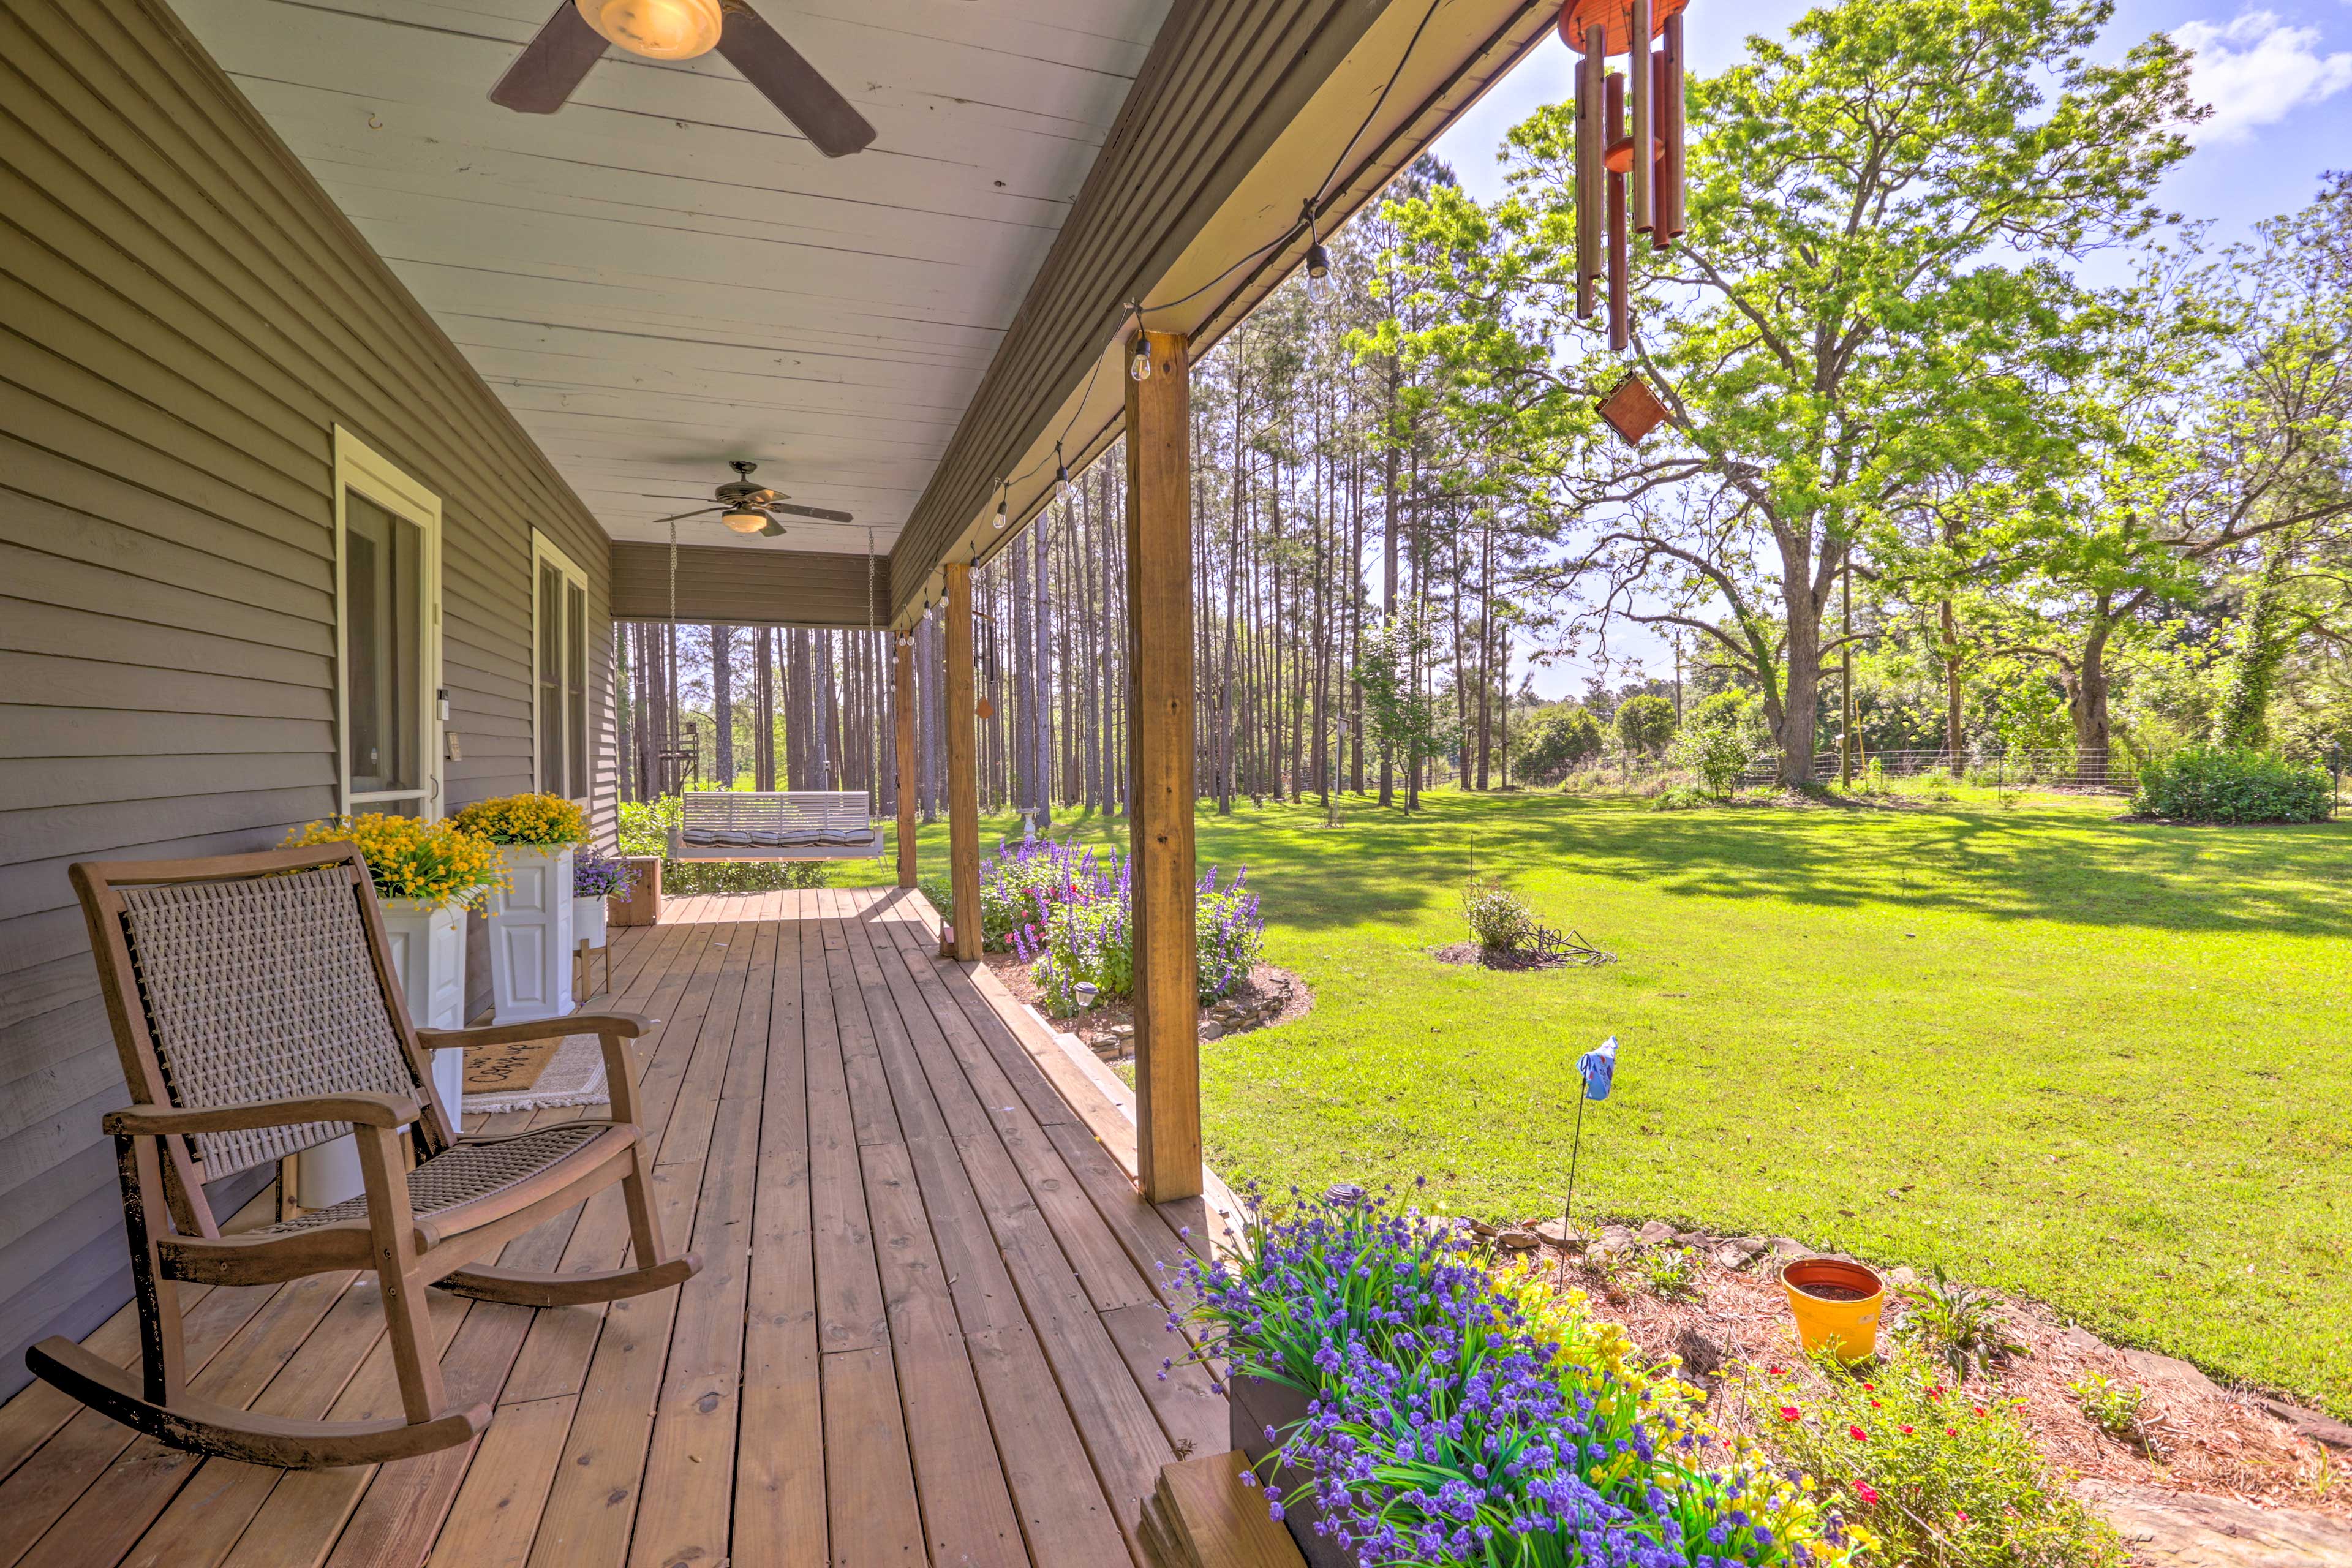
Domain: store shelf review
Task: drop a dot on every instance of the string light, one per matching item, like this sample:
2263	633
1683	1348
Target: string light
1061	475
1318	260
1004	492
1139	368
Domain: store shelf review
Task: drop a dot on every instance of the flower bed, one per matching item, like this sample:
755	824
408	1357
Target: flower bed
1453	1416
1070	914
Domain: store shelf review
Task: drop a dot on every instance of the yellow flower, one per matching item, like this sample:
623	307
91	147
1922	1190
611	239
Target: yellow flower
527	819
435	862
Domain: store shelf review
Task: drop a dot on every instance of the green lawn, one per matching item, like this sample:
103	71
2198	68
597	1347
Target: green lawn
2105	1063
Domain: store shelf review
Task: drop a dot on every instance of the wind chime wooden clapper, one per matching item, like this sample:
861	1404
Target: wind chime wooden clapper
1629	176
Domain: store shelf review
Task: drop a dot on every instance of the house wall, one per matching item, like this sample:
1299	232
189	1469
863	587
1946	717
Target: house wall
184	316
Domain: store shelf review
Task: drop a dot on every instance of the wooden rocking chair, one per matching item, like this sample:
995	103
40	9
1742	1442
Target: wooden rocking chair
257	1014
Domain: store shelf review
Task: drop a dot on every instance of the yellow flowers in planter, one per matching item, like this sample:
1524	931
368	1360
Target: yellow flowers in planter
433	862
526	819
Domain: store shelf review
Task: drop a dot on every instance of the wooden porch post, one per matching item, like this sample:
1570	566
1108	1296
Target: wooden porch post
1161	742
963	753
904	706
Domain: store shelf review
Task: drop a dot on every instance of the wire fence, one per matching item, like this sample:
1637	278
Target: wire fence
2058	767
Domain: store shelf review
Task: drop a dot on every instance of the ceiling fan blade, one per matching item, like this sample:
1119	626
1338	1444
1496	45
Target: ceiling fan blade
771	528
551	64
791	84
817	512
681	517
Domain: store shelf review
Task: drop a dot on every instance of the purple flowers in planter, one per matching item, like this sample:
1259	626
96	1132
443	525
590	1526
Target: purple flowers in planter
595	876
1440	1429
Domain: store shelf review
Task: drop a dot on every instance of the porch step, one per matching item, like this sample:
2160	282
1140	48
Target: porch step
1202	1516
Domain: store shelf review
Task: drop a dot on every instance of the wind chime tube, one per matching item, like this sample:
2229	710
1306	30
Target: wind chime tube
1590	147
1641	168
1670	120
1620	328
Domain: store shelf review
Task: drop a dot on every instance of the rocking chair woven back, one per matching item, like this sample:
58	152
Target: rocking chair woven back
262	988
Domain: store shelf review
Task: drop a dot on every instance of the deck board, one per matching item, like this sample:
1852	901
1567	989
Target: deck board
927	1330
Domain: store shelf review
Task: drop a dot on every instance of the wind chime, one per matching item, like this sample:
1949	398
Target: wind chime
1629	176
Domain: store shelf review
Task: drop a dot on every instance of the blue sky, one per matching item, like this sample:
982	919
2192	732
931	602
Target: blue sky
2279	75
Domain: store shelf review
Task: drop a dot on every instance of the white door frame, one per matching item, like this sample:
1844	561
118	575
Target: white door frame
359	466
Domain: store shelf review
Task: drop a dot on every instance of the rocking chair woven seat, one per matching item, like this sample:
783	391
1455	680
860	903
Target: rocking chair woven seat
468	1174
257	1014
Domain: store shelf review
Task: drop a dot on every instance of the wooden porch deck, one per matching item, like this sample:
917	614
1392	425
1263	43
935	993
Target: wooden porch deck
928	1325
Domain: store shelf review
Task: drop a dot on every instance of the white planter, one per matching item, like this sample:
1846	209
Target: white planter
530	934
588	921
428	956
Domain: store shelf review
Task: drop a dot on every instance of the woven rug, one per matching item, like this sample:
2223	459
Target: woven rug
540	1073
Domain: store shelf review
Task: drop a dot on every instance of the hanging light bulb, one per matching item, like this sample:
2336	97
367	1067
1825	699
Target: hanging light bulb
1318	260
657	30
1002	490
1061	474
1139	366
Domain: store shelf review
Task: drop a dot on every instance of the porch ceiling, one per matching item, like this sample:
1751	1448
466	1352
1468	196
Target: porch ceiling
665	275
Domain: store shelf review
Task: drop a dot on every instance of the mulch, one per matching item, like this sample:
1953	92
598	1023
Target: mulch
2206	1438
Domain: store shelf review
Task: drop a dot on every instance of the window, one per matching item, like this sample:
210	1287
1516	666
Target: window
387	644
560	693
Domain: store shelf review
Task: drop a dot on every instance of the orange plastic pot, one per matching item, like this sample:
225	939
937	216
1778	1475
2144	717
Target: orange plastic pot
1851	1326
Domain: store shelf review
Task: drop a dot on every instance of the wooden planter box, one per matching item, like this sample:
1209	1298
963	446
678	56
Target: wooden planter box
1256	1405
644	905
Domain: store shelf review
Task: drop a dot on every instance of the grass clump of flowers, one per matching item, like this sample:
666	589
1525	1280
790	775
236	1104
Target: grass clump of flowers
1944	1475
435	863
540	820
1459	1418
1070	915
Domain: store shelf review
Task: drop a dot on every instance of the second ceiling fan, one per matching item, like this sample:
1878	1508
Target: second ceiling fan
555	62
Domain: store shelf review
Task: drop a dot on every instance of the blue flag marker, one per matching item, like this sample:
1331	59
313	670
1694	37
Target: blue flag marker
1599	1069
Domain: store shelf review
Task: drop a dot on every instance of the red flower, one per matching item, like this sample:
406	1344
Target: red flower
1857	1434
1961	1516
1937	1392
1790	1413
1907	1431
1875	1405
1774	1370
1870	1388
1980	1410
1865	1491
1951	1431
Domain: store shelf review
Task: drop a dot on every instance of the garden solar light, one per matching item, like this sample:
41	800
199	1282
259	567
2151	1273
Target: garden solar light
1085	991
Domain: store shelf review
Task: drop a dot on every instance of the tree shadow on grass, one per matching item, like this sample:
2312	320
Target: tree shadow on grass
2065	861
2048	859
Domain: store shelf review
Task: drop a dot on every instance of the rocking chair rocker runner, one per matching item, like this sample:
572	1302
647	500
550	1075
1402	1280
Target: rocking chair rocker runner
255	1006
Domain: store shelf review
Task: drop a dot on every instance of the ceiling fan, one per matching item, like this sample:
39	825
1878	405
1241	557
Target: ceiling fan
555	62
752	509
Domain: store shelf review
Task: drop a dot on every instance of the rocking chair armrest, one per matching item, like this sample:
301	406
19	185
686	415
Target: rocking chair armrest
622	1025
360	1108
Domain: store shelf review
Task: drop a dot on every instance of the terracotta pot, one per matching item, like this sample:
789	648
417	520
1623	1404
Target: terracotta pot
1851	1324
1256	1405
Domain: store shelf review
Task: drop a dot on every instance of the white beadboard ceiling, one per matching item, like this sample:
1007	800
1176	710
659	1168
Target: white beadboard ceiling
664	274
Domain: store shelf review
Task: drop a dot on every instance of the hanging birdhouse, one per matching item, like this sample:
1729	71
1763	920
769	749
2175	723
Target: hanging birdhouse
1619	194
1631	409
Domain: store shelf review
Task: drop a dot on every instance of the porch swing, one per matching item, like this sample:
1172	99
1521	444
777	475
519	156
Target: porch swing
772	824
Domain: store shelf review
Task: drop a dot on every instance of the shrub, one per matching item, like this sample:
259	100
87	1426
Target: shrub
1499	919
1938	1477
2112	1406
1680	797
1550	741
1960	1325
1645	724
2233	783
1716	753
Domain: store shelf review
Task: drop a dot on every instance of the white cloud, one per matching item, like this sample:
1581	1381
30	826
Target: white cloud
2256	68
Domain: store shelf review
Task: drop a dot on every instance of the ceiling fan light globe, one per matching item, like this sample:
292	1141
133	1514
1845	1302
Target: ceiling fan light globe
744	519
657	30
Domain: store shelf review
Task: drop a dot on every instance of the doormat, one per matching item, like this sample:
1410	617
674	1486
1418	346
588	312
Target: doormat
569	1071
